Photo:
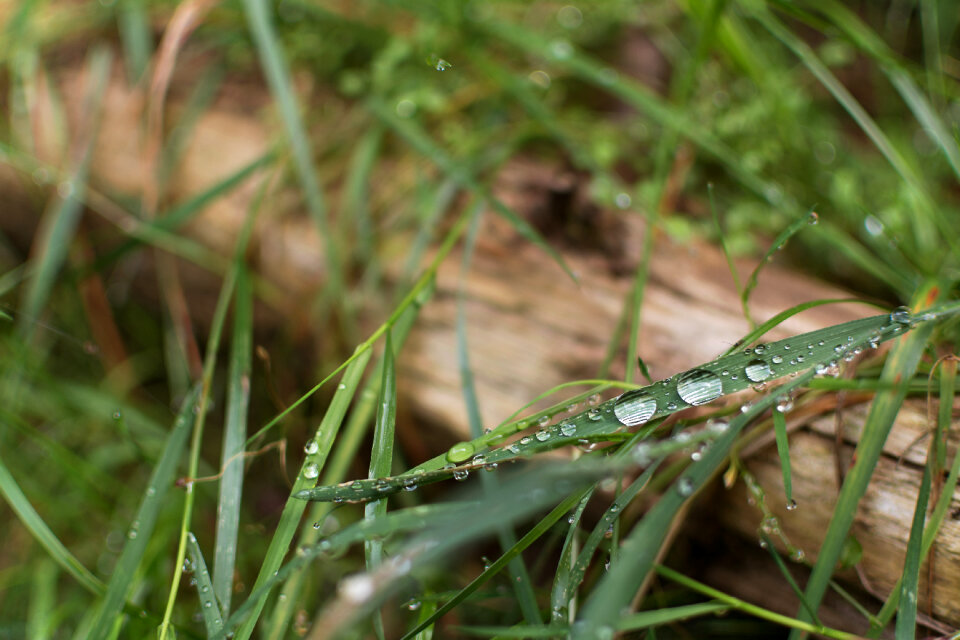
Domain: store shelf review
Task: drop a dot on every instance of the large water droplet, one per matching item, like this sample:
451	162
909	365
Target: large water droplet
311	471
758	370
567	428
699	386
311	447
460	452
900	315
634	407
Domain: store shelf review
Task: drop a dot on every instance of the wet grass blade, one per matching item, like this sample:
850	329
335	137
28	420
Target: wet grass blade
234	436
60	222
381	460
209	609
802	222
900	366
274	64
907	613
293	509
141	529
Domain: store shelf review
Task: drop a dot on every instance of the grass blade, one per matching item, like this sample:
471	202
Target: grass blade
802	222
121	581
273	61
212	618
59	223
234	436
783	448
381	460
900	366
907	613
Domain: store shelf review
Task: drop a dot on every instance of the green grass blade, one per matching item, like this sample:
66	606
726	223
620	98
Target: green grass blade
135	33
901	364
461	174
59	223
41	613
273	61
234	436
381	460
309	470
802	222
746	607
783	449
767	543
21	506
141	530
647	619
212	618
907	613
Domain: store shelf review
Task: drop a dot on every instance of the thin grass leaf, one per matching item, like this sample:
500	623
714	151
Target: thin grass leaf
802	222
907	613
726	254
356	198
274	64
751	609
293	509
559	602
60	222
234	436
462	175
783	450
519	631
767	544
41	616
135	33
900	365
671	615
141	529
209	608
381	460
20	505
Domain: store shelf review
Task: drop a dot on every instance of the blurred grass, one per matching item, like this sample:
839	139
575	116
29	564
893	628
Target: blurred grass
391	121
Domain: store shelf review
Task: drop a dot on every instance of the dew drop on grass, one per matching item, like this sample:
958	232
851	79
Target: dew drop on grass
560	49
900	315
311	471
634	407
758	370
460	452
311	447
568	428
461	474
776	359
542	435
792	505
699	386
784	403
685	486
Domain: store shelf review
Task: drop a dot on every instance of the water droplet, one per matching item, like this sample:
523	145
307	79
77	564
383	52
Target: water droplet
813	218
460	452
593	399
758	370
567	428
784	403
696	456
671	406
542	435
526	440
718	426
341	386
311	471
699	386
760	348
479	460
594	415
356	588
543	421
413	604
513	448
685	486
792	505
311	447
777	359
798	555
442	65
460	474
561	49
900	315
410	484
634	407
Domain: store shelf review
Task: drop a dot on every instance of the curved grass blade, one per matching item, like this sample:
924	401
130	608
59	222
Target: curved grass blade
900	365
121	581
659	617
234	435
381	460
212	619
907	613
